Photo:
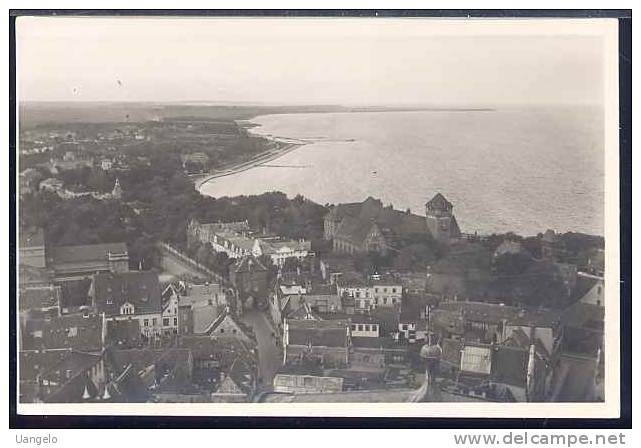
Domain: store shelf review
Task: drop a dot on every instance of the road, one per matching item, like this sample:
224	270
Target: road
269	355
173	265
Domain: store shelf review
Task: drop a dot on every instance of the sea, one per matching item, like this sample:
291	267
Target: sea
523	170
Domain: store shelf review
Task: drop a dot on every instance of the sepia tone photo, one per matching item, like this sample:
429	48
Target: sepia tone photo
301	216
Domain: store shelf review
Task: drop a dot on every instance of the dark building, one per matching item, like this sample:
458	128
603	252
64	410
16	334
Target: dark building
250	278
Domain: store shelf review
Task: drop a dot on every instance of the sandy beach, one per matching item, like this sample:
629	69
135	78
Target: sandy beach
283	146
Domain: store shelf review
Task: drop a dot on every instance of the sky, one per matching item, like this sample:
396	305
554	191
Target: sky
311	61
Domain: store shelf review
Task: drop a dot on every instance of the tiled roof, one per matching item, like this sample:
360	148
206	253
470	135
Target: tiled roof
584	315
451	352
356	221
28	275
75	293
69	331
39	297
509	365
495	313
328	333
35	362
139	288
242	374
248	263
375	343
204	317
123	333
269	247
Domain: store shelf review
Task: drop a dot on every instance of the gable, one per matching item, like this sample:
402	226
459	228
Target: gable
228	386
229	327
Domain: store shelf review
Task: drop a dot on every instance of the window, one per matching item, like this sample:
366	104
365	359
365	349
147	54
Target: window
146	322
165	322
353	327
384	289
404	326
393	289
222	330
375	289
360	328
385	300
153	321
175	321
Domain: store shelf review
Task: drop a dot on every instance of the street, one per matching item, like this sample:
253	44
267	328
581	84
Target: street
269	355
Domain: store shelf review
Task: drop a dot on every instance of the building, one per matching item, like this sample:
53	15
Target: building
250	278
198	306
225	367
128	296
106	164
62	377
302	379
40	301
441	221
123	334
583	328
497	372
227	326
414	318
230	238
326	342
336	266
495	323
237	240
368	226
364	326
281	250
237	384
169	314
589	289
31	248
84	333
374	293
196	162
72	262
287	299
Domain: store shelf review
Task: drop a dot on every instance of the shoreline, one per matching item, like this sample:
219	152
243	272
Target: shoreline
283	146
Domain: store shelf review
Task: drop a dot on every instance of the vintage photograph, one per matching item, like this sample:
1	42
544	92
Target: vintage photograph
283	213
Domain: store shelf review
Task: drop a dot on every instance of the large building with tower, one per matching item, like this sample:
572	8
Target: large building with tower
369	226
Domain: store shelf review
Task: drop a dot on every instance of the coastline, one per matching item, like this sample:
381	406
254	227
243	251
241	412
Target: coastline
285	145
282	147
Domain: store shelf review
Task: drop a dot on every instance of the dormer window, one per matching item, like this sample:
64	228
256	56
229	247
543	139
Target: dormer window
127	309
